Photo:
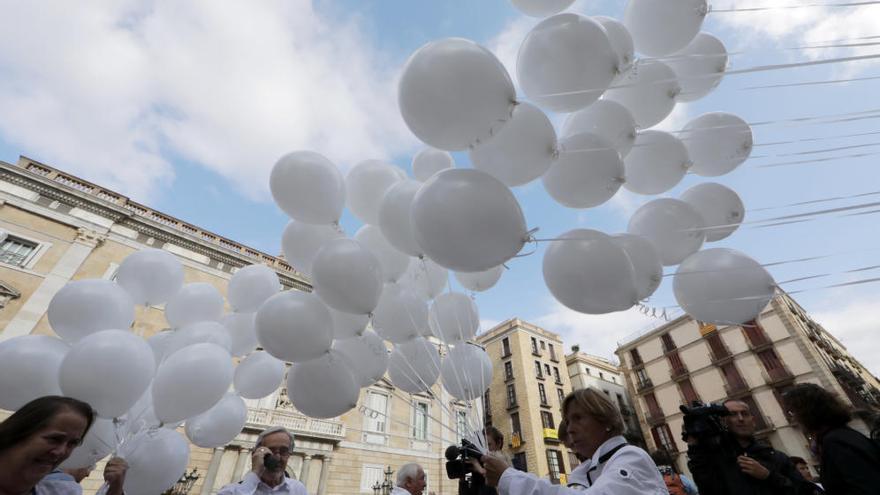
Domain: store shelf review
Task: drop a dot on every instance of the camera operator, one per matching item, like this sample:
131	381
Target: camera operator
269	460
595	431
726	459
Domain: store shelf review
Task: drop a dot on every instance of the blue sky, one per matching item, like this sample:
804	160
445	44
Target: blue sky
187	107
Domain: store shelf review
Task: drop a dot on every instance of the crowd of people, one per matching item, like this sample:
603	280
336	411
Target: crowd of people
36	439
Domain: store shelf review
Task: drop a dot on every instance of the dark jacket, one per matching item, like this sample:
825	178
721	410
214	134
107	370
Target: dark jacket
716	471
850	463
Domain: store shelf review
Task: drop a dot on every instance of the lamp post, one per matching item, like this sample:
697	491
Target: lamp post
387	485
184	484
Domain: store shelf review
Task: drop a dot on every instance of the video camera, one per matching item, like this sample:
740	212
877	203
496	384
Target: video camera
703	422
458	459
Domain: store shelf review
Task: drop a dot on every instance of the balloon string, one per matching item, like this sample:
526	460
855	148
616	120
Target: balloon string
813	139
789	7
810	83
816	160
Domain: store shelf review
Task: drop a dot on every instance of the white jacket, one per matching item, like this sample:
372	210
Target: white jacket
615	469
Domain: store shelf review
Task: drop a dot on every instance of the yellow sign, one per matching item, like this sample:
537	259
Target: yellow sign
706	328
515	440
563	479
551	433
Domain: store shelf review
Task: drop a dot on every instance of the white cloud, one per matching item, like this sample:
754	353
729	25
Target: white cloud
852	319
596	334
117	91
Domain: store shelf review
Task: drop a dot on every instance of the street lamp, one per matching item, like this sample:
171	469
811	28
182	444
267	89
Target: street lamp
184	484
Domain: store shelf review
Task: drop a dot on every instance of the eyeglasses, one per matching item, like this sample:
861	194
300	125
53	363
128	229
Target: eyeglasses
280	451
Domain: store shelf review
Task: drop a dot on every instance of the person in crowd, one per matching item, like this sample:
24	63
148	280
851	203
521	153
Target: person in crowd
410	480
36	439
595	431
268	463
849	461
676	483
67	481
578	473
75	475
494	443
804	468
738	464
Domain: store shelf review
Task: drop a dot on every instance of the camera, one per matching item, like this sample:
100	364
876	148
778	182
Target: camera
458	459
703	422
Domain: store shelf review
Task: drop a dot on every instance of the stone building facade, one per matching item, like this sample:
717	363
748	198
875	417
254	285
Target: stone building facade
686	360
524	401
586	370
62	228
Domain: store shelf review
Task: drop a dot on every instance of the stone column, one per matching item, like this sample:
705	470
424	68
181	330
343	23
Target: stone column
66	267
325	471
304	471
211	475
238	473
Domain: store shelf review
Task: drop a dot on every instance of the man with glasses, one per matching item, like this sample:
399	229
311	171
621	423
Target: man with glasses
268	462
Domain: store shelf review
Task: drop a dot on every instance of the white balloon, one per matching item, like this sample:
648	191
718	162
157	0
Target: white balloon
242	332
425	278
699	66
656	164
566	62
480	281
621	41
648	91
98	443
588	272
323	387
414	365
454	317
720	206
347	325
394	263
429	161
395	217
87	306
201	331
454	93
150	276
400	314
466	371
258	375
541	8
368	356
156	460
191	381
109	369
647	269
308	187
300	242
722	286
294	326
366	184
142	416
717	142
607	119
661	27
29	367
250	286
198	301
521	151
466	220
161	343
347	276
587	173
219	425
674	227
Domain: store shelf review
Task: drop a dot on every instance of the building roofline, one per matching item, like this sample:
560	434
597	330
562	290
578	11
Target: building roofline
593	360
512	323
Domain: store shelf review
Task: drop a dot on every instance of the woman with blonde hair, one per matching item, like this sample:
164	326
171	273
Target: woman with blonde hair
595	431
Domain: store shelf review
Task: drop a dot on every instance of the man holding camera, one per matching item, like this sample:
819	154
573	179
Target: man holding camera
268	462
726	459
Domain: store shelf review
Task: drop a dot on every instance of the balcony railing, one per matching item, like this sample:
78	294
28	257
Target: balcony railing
655	417
297	423
736	388
645	385
678	372
776	376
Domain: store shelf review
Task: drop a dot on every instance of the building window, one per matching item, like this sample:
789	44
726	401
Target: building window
375	421
687	390
561	395
620	403
547	420
552	352
514	424
613	379
16	251
755	333
461	424
547	370
716	345
370	475
601	375
542	394
653	405
636	358
554	464
663	438
535	347
519	462
420	421
642	375
556	375
508	370
511	395
668	343
505	345
587	370
538	370
606	392
543	345
487	409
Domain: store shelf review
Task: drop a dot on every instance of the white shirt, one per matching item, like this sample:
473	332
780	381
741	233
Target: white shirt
615	469
58	487
251	484
399	490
